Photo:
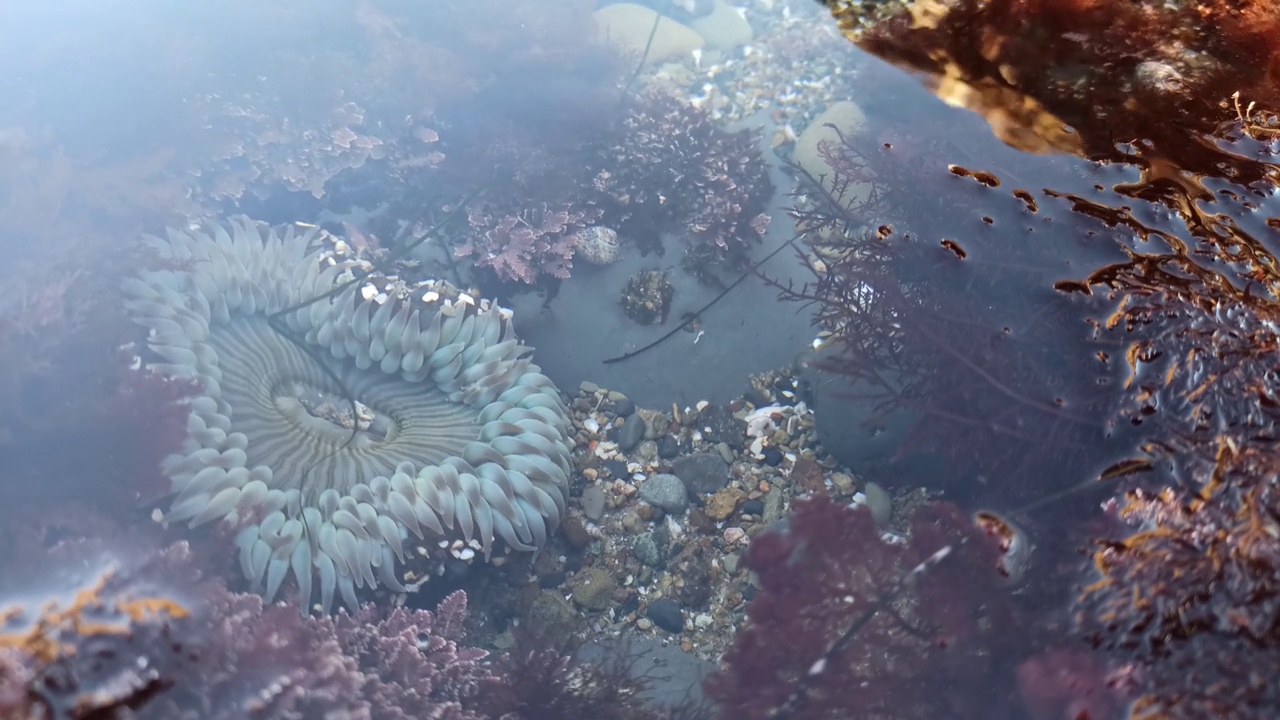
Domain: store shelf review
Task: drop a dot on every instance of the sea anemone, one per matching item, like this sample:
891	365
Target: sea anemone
330	431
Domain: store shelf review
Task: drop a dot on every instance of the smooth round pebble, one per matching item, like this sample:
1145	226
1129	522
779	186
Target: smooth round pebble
593	502
631	434
647	550
772	456
879	502
703	473
666	614
665	491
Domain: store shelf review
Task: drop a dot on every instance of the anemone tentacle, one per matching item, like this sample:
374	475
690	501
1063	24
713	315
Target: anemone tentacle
458	434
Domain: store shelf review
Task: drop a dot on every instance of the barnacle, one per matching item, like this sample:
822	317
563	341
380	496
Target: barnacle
455	433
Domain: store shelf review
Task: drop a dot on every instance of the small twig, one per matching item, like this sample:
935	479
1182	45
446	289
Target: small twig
644	57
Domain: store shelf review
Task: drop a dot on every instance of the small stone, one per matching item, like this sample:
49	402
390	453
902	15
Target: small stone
773	502
589	387
551	616
648	551
753	507
593	501
615	396
718	424
772	456
634	521
695	573
808	475
724	27
665	491
631	434
726	452
702	621
593	589
647	451
666	614
721	505
880	503
627	25
702	473
843	483
623	407
656	424
730	563
668	447
644	623
699	521
551	579
756	397
575	533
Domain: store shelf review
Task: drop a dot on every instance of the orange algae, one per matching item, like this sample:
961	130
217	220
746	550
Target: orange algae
91	612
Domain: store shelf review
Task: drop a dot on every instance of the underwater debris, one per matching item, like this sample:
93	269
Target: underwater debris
646	298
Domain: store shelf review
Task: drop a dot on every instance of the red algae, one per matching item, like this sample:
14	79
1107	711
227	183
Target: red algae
1163	260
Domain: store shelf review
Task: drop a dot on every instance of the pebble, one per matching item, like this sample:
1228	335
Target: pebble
656	423
666	614
730	563
573	531
589	387
702	621
593	501
753	507
551	615
772	456
668	447
702	473
718	424
665	491
756	397
631	434
879	502
623	407
593	589
721	505
644	623
726	452
551	579
773	502
647	550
